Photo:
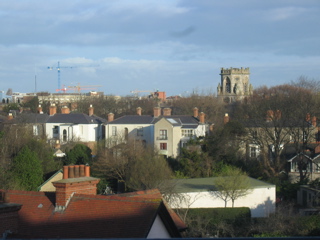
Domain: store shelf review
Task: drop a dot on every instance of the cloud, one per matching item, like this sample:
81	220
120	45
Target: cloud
284	13
184	33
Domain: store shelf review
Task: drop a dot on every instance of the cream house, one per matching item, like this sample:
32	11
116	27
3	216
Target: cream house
165	132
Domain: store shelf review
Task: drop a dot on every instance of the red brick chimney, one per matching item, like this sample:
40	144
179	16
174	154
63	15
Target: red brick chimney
40	109
76	179
53	109
195	112
91	110
156	111
308	117
167	112
202	117
226	118
314	121
65	110
139	111
269	117
10	116
110	117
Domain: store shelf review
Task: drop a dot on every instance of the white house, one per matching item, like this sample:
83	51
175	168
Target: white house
68	126
199	193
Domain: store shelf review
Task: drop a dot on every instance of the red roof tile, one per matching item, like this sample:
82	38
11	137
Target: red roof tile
90	216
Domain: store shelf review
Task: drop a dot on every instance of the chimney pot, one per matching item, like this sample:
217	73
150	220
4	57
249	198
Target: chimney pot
87	171
65	172
82	174
71	171
76	171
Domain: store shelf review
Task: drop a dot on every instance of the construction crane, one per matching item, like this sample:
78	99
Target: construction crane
78	88
58	69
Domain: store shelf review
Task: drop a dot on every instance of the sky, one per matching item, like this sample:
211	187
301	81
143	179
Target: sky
176	46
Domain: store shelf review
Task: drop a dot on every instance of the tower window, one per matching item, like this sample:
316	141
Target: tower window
228	85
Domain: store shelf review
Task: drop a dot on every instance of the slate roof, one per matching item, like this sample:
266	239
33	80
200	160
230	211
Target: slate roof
89	216
207	184
133	119
76	118
30	118
179	120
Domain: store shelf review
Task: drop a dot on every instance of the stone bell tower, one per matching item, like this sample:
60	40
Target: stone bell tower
235	84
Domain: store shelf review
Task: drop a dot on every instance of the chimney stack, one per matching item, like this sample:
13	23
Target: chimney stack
226	118
202	117
76	179
110	117
53	109
139	111
195	112
10	116
269	116
167	112
156	111
65	110
40	109
314	121
91	110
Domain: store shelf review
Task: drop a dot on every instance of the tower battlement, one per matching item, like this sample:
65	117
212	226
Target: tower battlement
232	70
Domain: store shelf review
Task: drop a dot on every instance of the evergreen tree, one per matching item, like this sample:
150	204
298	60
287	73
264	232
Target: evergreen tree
27	171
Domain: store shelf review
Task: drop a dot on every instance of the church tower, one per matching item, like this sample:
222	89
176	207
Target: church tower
235	84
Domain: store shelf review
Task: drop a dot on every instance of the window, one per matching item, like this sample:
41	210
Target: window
64	133
187	132
253	151
163	146
114	131
35	130
140	131
56	130
163	134
228	85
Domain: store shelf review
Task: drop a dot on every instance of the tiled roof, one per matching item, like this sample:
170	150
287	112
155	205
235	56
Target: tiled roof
90	216
76	118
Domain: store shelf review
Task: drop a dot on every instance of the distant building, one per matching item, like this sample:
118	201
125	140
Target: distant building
235	84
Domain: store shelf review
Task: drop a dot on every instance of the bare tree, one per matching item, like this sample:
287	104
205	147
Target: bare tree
231	184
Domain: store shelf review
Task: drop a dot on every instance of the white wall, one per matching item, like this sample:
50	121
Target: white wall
261	201
83	132
158	230
132	132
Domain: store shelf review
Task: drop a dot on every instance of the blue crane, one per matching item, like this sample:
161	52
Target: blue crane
58	69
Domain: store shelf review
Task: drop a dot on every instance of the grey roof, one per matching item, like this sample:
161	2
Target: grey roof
207	184
76	118
175	120
30	118
133	119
